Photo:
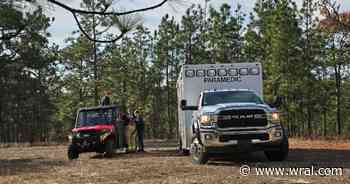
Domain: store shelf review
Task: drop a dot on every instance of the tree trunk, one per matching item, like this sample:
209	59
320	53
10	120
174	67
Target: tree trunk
309	121
338	98
95	55
324	122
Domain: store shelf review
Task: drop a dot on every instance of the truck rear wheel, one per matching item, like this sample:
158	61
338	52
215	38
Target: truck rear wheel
198	153
72	152
281	153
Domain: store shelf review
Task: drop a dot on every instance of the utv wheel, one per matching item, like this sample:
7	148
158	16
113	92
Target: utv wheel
109	148
72	152
198	153
281	153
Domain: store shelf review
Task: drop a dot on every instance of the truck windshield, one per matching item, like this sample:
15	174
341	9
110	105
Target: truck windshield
219	97
96	117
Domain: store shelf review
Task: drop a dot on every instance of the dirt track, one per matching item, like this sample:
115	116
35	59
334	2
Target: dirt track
50	165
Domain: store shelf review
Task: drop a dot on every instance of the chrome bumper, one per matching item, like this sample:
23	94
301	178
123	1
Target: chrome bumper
210	138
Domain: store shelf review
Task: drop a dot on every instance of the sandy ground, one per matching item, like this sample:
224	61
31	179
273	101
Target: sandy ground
49	164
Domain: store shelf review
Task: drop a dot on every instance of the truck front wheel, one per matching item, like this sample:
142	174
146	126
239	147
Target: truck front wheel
72	152
198	152
280	153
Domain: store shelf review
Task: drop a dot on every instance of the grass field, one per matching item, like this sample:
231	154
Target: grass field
49	164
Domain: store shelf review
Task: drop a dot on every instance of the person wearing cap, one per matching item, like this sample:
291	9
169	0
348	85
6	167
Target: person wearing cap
105	100
140	128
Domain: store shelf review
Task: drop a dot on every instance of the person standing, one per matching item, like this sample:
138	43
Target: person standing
121	126
105	100
140	128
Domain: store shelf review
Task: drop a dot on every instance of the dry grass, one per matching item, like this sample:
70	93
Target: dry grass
48	164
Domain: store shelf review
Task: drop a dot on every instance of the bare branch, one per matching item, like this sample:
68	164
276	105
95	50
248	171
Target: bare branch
80	11
96	40
123	24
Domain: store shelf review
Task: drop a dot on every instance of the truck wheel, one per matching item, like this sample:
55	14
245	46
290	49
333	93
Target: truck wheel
109	148
281	153
72	152
198	153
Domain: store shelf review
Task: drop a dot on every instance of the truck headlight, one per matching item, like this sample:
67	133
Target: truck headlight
77	135
104	135
275	116
207	120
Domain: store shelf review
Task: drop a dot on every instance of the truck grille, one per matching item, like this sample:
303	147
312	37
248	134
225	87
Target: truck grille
226	138
89	136
90	133
242	118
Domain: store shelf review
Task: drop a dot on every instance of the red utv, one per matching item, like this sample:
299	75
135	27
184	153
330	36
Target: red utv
94	131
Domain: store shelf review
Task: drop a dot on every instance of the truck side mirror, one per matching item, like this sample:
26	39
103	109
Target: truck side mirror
183	103
184	107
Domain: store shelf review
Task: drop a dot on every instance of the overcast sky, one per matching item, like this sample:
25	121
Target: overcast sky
64	24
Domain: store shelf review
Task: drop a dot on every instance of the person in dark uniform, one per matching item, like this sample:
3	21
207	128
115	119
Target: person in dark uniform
121	127
105	100
140	128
